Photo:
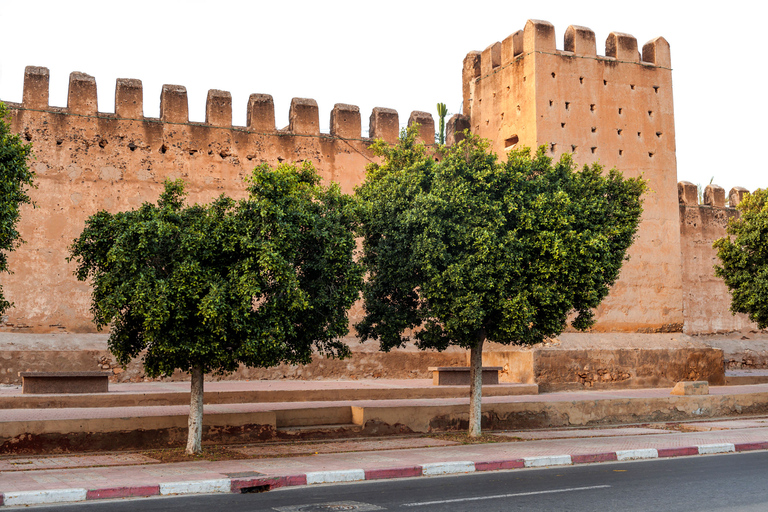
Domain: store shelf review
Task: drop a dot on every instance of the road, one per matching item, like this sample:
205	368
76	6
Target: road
733	482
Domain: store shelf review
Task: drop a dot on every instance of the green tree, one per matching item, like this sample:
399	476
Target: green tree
743	258
15	177
470	248
205	288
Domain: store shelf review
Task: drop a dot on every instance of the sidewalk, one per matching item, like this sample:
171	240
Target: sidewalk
70	478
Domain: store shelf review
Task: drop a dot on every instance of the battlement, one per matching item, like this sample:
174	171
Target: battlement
304	117
539	37
713	196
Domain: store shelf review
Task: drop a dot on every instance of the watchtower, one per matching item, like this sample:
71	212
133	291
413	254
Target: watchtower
614	109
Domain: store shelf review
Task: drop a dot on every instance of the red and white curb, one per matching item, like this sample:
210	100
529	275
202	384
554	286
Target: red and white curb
258	484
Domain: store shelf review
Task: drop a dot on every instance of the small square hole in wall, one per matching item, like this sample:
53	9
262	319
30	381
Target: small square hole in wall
592	107
618	131
620	109
551	103
638	135
656	89
553	74
581	79
562	125
605	82
573	148
511	142
632	86
650	154
567	105
593	149
650	113
621	152
658	134
594	129
552	147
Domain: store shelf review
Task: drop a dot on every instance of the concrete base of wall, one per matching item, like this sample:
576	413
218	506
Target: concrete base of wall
572	361
609	361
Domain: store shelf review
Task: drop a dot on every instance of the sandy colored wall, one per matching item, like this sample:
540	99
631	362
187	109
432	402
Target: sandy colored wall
88	160
706	299
616	109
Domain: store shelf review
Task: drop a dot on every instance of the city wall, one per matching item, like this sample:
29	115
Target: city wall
615	108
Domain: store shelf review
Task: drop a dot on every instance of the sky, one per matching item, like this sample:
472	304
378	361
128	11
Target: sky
405	55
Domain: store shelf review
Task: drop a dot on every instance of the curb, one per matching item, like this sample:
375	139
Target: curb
249	485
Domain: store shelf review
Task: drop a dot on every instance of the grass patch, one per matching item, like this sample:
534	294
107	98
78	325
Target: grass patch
211	453
463	438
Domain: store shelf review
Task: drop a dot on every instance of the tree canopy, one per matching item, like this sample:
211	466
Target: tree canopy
205	288
743	258
465	248
15	178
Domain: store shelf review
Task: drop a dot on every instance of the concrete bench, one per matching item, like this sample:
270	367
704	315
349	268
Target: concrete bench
37	383
459	375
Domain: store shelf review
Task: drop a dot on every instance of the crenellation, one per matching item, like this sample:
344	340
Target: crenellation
580	40
656	51
511	47
384	125
218	108
261	113
174	107
736	196
622	47
345	121
687	193
81	98
539	36
129	98
426	126
470	72
714	195
36	86
454	130
304	117
490	58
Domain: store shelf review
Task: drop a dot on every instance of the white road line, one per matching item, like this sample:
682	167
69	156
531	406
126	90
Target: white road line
498	496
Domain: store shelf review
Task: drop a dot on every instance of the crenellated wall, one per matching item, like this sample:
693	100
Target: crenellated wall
88	160
614	108
706	299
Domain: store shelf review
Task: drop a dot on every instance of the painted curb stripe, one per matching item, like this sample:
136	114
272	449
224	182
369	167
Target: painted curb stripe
678	452
643	453
235	485
123	492
744	447
550	460
448	468
196	487
332	477
594	457
499	464
12	499
705	449
404	472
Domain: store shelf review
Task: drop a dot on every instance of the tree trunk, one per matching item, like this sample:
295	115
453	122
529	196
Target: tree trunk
195	422
476	387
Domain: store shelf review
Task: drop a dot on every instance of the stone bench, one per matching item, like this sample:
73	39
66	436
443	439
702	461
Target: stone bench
459	375
38	383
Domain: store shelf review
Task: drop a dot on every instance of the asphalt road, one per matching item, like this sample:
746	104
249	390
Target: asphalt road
701	483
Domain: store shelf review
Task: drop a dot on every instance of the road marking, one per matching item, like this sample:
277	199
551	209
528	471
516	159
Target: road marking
498	496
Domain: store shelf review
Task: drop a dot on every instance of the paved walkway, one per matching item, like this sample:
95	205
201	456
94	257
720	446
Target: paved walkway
53	479
73	478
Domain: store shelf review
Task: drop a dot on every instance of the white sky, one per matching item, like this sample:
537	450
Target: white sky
405	55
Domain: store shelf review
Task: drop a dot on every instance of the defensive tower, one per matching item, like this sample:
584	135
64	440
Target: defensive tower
615	109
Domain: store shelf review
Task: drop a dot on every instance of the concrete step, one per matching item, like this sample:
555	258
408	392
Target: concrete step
745	377
166	398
